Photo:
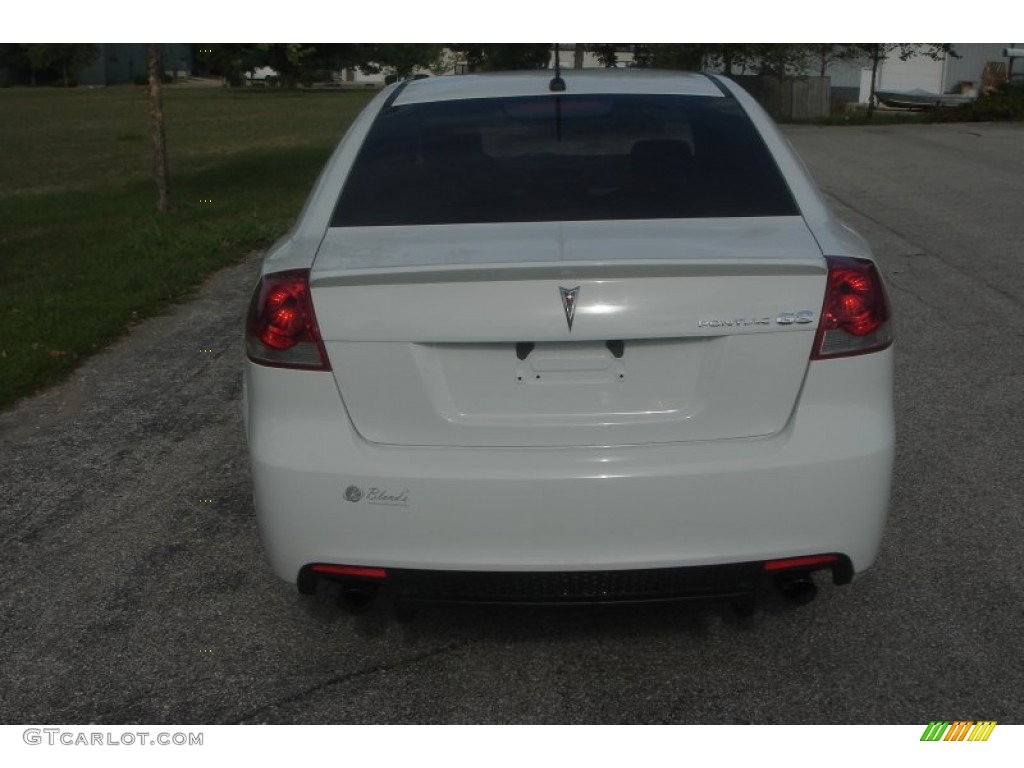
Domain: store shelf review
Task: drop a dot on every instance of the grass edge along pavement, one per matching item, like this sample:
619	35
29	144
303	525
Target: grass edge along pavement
79	267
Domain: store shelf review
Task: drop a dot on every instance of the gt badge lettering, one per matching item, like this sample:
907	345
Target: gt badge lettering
569	296
802	317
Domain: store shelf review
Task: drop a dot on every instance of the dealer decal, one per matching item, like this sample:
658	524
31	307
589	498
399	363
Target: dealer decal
381	497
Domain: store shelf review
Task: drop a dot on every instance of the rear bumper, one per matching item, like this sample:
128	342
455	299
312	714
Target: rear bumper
324	495
737	581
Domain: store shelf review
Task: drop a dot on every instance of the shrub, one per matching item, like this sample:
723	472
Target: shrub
1008	105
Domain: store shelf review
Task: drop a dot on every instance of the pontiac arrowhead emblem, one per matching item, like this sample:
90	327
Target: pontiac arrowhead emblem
569	296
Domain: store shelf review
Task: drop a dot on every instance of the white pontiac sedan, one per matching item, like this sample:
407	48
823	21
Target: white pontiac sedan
599	342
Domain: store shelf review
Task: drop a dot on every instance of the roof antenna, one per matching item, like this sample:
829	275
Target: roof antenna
557	84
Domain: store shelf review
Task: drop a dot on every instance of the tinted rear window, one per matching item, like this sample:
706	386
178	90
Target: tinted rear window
562	158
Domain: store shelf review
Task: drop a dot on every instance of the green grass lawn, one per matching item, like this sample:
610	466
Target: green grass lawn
83	253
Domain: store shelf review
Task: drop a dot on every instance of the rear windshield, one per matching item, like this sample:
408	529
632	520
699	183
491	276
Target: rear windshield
562	158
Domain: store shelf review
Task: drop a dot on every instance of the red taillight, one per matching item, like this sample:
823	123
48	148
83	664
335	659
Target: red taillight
281	329
855	315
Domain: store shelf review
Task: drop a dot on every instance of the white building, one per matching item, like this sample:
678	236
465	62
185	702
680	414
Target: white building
852	80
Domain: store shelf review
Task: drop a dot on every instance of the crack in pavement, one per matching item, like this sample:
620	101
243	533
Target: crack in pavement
971	276
895	285
365	672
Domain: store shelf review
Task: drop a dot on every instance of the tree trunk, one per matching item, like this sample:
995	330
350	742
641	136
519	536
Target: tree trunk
872	99
156	124
577	56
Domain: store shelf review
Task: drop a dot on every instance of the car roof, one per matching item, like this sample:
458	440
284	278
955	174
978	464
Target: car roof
535	83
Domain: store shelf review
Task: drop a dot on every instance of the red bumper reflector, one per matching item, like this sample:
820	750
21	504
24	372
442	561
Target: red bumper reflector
800	562
350	570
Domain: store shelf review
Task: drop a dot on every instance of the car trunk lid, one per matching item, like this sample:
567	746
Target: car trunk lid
569	334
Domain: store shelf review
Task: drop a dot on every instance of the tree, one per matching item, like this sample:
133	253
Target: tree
492	57
229	60
877	53
402	58
291	61
444	63
729	56
156	123
824	55
578	52
781	60
64	58
304	63
607	53
693	57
